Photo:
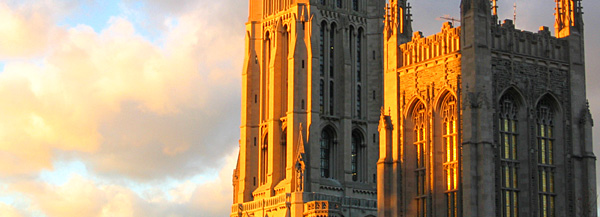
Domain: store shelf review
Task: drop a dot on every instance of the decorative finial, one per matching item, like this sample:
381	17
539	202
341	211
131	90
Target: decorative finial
495	8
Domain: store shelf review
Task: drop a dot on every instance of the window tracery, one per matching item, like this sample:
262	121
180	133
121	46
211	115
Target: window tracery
449	138
508	156
546	167
420	120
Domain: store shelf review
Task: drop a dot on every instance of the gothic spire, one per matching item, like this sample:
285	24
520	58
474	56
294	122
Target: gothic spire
569	17
398	19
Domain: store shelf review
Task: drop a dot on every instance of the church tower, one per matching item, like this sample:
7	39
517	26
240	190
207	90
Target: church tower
485	119
311	93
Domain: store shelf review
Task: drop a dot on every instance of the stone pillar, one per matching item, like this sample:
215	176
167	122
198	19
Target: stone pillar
478	190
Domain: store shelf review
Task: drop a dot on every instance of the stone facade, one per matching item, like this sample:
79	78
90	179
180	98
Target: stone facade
485	119
310	109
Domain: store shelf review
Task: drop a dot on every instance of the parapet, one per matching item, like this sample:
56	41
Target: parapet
505	38
421	49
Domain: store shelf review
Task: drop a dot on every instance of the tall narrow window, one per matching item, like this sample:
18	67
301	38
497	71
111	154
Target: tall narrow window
265	77
332	50
419	119
358	102
359	55
357	140
284	71
264	163
322	49
326	158
546	168
331	98
451	154
338	3
283	153
355	5
322	96
323	2
508	152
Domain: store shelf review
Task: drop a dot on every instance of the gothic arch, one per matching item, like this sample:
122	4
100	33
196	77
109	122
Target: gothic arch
411	105
515	94
329	159
441	97
416	146
551	98
550	156
358	153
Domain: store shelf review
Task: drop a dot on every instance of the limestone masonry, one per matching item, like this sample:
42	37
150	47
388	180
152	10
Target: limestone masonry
348	112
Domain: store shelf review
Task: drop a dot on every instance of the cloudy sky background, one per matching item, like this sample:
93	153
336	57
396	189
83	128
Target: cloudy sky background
131	108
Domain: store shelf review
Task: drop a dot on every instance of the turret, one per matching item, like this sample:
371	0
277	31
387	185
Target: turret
398	21
569	18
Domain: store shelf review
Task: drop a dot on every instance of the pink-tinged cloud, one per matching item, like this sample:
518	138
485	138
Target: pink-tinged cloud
128	106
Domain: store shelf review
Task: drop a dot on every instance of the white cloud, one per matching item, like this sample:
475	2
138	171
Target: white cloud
127	106
9	211
81	196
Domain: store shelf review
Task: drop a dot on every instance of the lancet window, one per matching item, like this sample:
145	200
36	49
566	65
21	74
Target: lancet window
331	63
358	68
265	77
264	160
284	71
322	49
356	154
327	143
450	146
419	120
508	156
546	167
283	153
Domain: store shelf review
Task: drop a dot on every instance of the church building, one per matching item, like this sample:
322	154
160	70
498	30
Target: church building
347	112
311	96
485	119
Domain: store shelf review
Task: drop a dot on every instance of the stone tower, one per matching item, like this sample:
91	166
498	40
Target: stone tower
485	119
312	90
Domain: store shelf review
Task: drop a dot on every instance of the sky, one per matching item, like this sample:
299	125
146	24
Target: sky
132	108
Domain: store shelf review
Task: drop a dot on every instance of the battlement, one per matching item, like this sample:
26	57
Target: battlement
505	38
421	49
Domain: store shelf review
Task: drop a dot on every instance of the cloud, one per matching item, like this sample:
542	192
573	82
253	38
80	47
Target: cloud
81	196
125	105
9	211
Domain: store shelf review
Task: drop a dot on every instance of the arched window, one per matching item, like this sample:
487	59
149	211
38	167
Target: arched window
265	77
359	55
264	160
327	143
450	146
508	155
284	70
419	120
356	155
546	167
322	49
332	50
283	153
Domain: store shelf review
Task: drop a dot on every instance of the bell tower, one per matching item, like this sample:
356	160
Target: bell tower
311	93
